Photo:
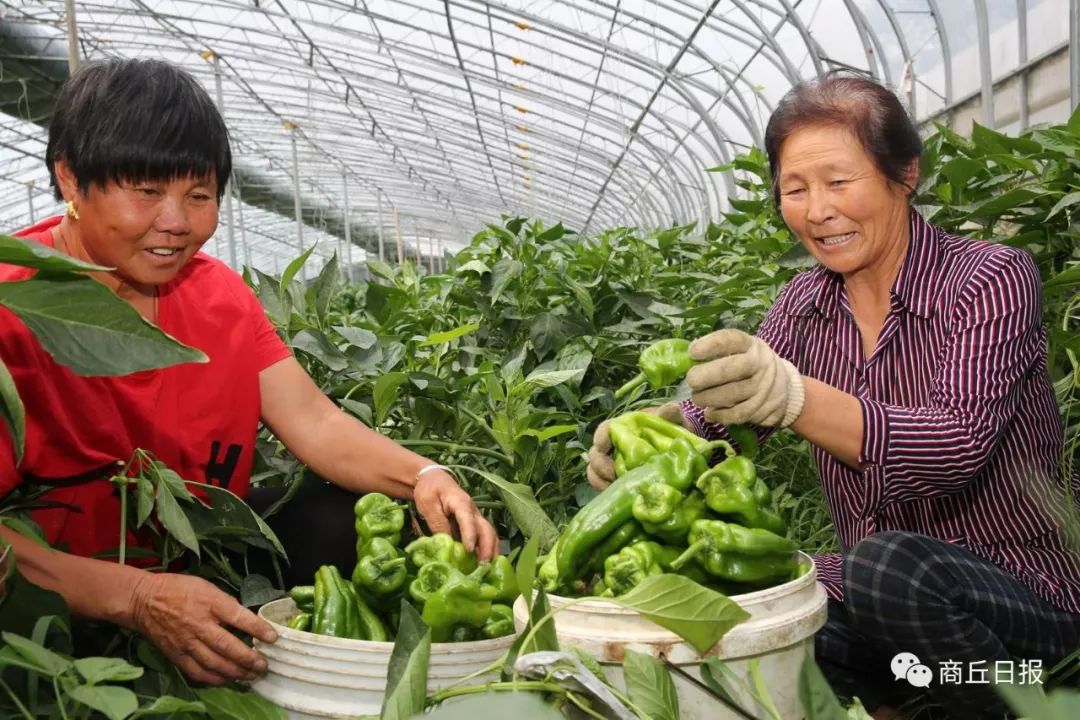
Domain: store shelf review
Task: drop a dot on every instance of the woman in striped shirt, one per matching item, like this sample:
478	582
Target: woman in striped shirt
914	362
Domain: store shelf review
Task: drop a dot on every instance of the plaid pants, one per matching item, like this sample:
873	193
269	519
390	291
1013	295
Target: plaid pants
910	593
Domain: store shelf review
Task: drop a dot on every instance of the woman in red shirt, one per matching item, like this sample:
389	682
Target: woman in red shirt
141	156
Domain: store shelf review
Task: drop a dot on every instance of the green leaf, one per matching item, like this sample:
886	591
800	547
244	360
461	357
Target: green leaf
550	378
31	532
698	615
230	510
357	337
228	704
385	393
359	410
1005	202
169	705
271	300
547	334
650	686
545	637
521	503
106	669
87	328
474	266
13	411
174	520
406	680
505	271
294	267
551	234
316	344
325	286
525	570
144	500
1070	199
582	296
960	170
257	590
115	703
42	659
818	700
445	337
27	253
550	432
1063	280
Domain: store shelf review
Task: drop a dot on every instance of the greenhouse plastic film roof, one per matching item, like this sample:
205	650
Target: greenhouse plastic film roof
426	119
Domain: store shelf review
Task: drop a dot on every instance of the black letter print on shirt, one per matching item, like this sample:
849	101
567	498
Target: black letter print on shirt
220	473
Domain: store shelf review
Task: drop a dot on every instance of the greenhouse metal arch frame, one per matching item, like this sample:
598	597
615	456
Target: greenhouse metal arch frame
401	127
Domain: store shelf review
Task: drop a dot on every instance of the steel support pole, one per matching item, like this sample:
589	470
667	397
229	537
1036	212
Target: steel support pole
228	196
382	253
30	203
243	229
982	24
72	37
1074	52
296	200
400	244
1022	86
348	223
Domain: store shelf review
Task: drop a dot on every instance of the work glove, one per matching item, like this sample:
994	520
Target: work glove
601	469
739	380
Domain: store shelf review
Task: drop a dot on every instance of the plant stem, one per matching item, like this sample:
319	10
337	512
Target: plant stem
538	685
15	699
123	521
59	700
452	447
629	387
583	706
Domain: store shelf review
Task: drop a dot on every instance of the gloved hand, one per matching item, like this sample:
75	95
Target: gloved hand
601	469
740	380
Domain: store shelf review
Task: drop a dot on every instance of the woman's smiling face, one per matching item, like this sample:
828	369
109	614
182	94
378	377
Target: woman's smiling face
845	211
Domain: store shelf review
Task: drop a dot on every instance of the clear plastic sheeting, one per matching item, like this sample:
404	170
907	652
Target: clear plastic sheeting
417	121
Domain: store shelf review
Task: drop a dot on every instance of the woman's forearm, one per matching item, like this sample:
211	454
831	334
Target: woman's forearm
92	588
832	420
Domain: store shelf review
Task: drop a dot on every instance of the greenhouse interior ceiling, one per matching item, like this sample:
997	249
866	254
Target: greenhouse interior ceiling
401	127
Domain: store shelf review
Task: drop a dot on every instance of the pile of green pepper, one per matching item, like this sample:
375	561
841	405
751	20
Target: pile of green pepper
667	512
460	598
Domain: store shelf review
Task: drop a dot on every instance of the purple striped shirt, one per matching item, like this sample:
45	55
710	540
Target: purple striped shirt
962	435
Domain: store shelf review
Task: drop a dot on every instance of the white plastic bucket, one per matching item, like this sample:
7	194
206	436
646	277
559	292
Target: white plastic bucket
778	635
317	676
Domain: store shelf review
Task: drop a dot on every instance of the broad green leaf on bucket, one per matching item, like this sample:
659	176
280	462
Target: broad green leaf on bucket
115	703
698	615
257	590
228	704
12	411
445	337
527	706
406	679
84	326
523	507
27	253
650	686
818	700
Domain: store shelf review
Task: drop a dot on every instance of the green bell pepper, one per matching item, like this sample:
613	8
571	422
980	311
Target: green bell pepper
626	534
737	553
301	621
450	598
610	509
440	547
501	576
335	612
661	364
378	516
499	623
548	572
304	597
667	516
733	490
370	625
627	568
381	568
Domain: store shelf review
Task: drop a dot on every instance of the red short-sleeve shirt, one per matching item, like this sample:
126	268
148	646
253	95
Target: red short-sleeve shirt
199	419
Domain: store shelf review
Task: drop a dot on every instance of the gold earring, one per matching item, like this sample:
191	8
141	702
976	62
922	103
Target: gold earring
71	211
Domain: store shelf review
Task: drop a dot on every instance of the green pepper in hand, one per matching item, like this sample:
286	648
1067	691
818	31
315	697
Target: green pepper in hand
661	364
378	516
733	489
440	547
737	553
381	568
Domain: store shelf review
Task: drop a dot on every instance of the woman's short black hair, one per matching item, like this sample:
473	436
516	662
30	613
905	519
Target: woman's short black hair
135	120
871	112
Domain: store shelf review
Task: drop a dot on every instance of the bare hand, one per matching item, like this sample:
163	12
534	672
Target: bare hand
183	615
440	499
